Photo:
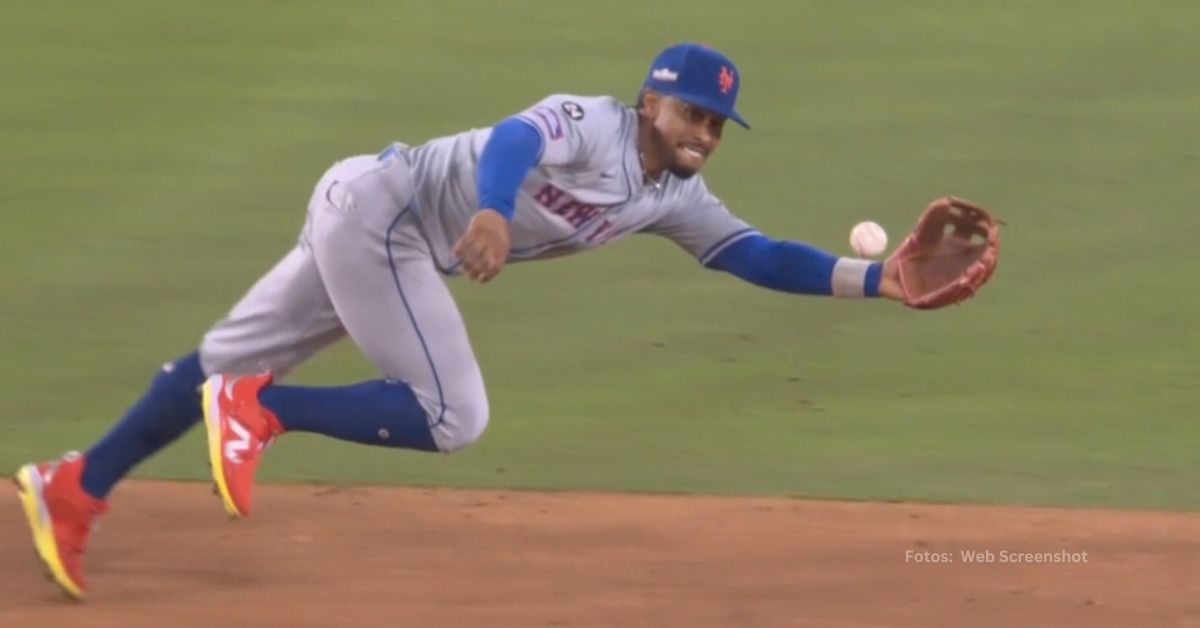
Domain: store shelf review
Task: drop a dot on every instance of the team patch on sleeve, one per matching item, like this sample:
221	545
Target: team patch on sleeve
573	109
546	119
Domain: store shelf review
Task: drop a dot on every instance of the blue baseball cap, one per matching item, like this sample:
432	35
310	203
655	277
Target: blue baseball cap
697	75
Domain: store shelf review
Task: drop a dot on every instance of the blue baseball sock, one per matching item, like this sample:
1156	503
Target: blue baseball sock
166	410
376	412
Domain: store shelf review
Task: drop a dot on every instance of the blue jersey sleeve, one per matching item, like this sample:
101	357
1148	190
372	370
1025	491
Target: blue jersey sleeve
797	267
512	150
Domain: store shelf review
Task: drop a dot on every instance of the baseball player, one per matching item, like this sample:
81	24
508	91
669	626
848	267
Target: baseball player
568	174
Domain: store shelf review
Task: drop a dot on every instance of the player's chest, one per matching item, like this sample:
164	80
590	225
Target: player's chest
592	220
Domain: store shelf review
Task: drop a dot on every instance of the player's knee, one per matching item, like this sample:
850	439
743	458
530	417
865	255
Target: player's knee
463	424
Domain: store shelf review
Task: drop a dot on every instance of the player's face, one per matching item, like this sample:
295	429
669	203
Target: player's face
684	135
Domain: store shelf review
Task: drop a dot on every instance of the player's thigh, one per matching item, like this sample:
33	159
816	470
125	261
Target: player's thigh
382	281
284	318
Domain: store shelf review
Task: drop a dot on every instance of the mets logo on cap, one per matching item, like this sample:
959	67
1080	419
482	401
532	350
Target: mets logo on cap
726	79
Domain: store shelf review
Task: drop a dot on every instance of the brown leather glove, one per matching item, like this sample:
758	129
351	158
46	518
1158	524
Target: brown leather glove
950	254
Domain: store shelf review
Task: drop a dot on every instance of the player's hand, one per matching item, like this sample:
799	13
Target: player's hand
889	280
483	249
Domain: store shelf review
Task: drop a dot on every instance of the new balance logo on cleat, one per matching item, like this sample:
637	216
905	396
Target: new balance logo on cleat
235	448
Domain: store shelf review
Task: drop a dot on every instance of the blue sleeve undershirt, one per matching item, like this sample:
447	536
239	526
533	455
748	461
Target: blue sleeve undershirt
786	266
512	150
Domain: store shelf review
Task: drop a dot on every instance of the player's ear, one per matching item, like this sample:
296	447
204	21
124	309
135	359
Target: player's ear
649	103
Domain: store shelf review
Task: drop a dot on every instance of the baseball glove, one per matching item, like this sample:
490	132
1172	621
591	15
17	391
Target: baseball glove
950	254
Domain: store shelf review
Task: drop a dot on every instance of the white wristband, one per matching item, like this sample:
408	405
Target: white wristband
850	277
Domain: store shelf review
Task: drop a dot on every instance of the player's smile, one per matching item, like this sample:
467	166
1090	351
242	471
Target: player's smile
692	155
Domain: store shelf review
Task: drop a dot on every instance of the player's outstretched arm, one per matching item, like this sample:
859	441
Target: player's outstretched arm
800	268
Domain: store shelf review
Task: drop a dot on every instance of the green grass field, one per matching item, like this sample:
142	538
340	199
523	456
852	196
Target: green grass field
157	158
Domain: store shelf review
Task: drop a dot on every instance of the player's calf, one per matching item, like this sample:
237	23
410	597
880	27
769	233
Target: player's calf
169	408
386	413
245	414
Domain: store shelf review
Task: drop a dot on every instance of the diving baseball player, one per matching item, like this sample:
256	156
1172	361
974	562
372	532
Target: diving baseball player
568	174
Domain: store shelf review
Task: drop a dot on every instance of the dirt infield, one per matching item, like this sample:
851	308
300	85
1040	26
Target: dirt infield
329	556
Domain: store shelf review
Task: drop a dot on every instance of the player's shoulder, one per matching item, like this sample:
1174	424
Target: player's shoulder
579	108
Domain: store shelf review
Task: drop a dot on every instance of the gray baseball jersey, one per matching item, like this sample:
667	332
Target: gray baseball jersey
587	189
380	228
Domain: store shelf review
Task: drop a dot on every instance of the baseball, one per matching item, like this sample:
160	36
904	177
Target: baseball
868	239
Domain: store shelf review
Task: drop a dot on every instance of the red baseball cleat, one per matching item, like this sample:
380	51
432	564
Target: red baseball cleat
60	516
239	429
